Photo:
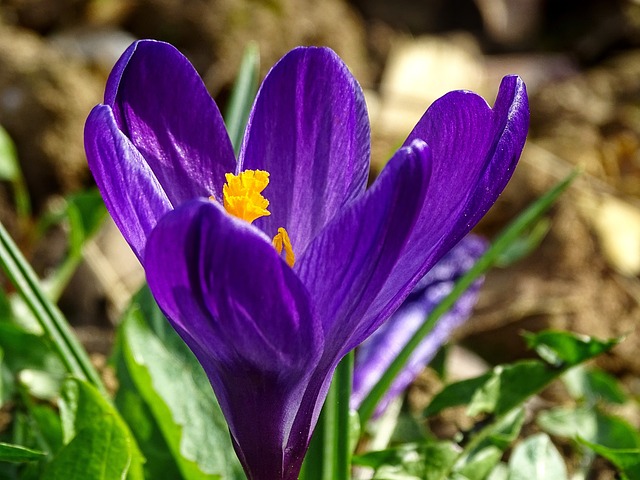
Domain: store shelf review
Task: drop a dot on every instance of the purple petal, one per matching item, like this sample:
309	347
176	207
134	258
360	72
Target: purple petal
309	129
161	104
247	317
131	192
377	353
347	264
475	150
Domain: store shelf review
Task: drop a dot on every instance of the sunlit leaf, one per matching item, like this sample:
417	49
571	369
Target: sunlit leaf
177	392
98	444
536	458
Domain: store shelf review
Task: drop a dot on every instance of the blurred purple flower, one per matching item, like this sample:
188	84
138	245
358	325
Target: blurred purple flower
378	351
269	335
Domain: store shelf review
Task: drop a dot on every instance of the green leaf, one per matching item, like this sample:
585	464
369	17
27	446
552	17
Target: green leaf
9	165
536	458
590	424
177	392
32	360
10	171
594	385
242	96
507	386
99	445
18	454
477	462
559	348
455	394
85	213
626	459
478	465
135	411
424	461
506	238
525	244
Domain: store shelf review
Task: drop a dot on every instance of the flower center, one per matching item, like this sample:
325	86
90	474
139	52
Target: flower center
242	194
242	198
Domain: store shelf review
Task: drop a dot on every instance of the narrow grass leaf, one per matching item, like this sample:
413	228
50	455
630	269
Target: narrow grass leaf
18	454
509	235
48	315
242	96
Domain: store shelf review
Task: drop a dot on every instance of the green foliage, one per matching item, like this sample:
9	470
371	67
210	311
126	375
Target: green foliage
536	458
173	393
18	454
244	91
98	444
10	171
507	386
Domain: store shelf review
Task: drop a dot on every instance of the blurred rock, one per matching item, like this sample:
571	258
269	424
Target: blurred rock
511	22
617	226
410	83
44	100
99	48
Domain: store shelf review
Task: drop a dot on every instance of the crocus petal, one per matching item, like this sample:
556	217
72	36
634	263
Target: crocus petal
119	169
247	317
475	150
346	265
377	353
309	129
162	105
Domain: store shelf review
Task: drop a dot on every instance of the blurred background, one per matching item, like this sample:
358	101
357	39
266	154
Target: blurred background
579	58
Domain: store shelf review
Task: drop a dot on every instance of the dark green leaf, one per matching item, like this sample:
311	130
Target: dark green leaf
18	454
560	348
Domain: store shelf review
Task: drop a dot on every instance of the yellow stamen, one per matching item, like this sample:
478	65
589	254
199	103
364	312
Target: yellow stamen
242	198
242	194
282	240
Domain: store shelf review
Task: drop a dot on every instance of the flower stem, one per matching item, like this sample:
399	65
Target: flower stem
342	381
329	454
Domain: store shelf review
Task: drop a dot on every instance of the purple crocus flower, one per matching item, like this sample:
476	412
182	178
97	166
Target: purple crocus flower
378	351
271	291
